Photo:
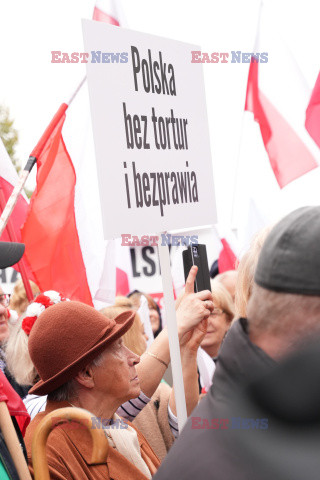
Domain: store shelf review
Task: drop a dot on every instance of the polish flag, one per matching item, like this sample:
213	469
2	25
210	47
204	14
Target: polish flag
277	95
109	11
313	113
106	11
8	179
227	259
63	232
228	247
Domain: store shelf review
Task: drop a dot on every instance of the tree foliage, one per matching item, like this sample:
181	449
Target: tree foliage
9	135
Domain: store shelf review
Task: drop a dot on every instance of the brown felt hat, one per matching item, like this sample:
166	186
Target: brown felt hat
66	337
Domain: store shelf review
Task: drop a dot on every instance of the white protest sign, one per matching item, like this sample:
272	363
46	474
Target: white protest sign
142	267
152	146
150	131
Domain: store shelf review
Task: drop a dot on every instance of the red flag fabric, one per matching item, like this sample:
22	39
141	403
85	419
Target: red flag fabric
109	11
122	282
8	179
313	113
50	232
14	403
106	11
227	259
288	154
278	95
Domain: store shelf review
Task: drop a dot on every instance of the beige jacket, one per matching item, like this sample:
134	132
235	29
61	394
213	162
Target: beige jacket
153	422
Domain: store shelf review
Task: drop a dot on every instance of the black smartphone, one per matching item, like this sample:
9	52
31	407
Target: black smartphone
197	255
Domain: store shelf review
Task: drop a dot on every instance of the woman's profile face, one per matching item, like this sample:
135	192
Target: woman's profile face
116	377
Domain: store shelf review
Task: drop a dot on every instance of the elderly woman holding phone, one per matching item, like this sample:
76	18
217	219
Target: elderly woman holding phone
82	362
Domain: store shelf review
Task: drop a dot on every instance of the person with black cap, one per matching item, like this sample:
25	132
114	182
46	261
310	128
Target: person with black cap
283	312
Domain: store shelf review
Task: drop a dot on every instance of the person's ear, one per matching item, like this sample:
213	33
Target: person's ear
85	377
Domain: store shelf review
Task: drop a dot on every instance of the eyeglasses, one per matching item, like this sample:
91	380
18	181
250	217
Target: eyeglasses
217	311
5	299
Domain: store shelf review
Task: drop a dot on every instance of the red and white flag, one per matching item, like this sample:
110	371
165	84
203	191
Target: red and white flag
56	237
313	113
277	95
8	179
228	247
63	232
108	11
227	259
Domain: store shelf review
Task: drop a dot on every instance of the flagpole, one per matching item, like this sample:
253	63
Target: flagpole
235	182
21	264
167	285
12	200
77	90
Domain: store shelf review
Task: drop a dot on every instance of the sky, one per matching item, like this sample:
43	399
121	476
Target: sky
33	87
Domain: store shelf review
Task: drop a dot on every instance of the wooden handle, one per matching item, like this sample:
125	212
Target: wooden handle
13	443
58	417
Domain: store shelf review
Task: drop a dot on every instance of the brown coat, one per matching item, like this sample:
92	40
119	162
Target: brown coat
69	453
153	421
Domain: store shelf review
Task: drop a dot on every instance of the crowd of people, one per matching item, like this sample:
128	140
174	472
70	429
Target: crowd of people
243	400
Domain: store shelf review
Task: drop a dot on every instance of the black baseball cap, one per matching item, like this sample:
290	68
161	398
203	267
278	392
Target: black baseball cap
289	261
10	253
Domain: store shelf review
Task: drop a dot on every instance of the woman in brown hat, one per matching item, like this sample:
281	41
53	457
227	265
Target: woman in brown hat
82	361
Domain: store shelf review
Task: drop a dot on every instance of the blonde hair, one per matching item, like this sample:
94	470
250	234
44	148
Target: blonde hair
19	300
228	279
123	302
135	299
222	299
246	271
133	338
18	359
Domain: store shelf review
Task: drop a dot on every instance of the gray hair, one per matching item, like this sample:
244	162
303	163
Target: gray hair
291	317
69	390
18	358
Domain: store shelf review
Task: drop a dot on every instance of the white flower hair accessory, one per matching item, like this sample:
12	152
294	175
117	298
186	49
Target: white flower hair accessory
55	297
12	316
40	303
